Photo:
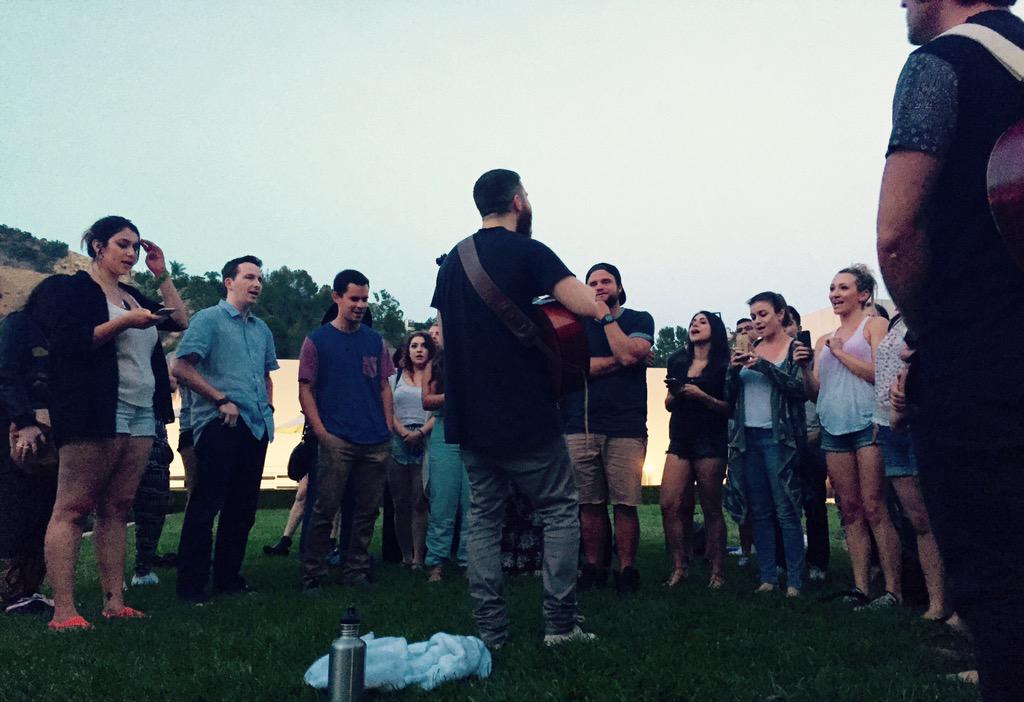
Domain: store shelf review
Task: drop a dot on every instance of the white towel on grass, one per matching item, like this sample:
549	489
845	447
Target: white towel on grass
392	662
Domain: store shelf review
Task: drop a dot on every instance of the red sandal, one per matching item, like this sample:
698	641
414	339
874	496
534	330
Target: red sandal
125	612
69	624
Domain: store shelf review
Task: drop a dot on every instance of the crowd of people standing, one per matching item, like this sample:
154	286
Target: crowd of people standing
83	372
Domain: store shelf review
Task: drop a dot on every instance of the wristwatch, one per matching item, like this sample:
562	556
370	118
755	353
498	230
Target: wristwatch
222	401
607	319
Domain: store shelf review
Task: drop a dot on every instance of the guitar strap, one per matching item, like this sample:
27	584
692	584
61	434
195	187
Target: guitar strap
522	327
1002	49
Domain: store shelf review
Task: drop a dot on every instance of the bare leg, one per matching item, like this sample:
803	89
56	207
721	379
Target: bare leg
710	472
871	473
298	507
627	534
842	472
418	517
594	528
678	474
909	491
84	467
109	534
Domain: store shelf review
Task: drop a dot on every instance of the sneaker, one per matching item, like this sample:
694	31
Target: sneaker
33	604
335	559
743	561
627	581
886	601
576	634
815	573
854	596
145	579
281	548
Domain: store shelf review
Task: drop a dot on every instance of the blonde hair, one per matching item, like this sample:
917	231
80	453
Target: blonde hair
864	278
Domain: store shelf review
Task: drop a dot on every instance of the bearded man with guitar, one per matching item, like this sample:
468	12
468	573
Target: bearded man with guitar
501	406
956	281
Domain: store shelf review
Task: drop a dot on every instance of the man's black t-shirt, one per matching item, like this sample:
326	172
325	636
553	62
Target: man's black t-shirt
617	402
497	392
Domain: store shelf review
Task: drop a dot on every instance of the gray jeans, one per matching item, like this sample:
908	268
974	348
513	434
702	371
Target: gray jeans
544	476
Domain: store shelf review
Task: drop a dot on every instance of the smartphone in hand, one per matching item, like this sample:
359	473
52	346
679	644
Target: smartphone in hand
675	385
165	311
804	337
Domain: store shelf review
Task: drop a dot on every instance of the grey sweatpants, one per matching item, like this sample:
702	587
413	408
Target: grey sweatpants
544	476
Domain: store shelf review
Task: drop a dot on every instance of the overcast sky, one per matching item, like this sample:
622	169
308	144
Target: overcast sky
711	150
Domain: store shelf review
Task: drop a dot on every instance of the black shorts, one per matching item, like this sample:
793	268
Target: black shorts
692	448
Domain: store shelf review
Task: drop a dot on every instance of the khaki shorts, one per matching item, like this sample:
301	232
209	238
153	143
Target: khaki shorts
607	469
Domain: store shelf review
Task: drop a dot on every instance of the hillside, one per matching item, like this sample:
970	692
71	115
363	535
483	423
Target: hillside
25	260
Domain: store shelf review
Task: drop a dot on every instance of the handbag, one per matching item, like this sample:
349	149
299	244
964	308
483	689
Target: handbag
303	455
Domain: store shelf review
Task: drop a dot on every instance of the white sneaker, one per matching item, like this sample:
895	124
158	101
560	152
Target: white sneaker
815	573
147	579
576	634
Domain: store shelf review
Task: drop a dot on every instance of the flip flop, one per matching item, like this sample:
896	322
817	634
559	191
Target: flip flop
125	612
71	623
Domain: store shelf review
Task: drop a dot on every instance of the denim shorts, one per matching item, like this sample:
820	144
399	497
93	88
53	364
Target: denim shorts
134	421
898	453
848	443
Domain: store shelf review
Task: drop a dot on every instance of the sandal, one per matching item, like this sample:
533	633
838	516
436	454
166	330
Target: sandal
76	622
678	576
125	612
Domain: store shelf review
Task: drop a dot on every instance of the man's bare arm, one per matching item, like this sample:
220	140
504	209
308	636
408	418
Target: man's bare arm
389	403
908	182
307	401
576	297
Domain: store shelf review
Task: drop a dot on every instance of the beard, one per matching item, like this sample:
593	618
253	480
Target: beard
524	222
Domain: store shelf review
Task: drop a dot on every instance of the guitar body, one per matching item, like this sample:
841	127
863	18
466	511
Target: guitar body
1005	180
563	332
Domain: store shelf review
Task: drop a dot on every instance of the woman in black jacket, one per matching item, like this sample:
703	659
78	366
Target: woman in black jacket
108	388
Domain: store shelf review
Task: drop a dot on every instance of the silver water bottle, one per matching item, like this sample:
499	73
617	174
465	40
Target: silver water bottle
347	663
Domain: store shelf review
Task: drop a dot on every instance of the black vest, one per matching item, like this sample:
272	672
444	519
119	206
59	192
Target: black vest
973	285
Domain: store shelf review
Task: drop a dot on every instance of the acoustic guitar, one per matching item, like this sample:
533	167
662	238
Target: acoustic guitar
563	333
1005	180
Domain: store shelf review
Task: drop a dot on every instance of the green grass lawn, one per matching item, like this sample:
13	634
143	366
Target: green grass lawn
683	644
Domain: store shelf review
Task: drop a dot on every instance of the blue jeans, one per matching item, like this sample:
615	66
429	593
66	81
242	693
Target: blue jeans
768	501
449	498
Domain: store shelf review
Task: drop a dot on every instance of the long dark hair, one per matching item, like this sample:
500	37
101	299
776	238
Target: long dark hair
718	353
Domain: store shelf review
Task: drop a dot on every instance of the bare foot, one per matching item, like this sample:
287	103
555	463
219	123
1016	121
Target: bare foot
765	587
933	615
717	581
792	592
678	576
958	625
436	575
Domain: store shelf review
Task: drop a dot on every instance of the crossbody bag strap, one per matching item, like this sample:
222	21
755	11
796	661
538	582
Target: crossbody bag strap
517	322
1001	48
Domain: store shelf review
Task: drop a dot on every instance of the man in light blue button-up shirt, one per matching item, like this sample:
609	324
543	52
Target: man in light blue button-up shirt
225	359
